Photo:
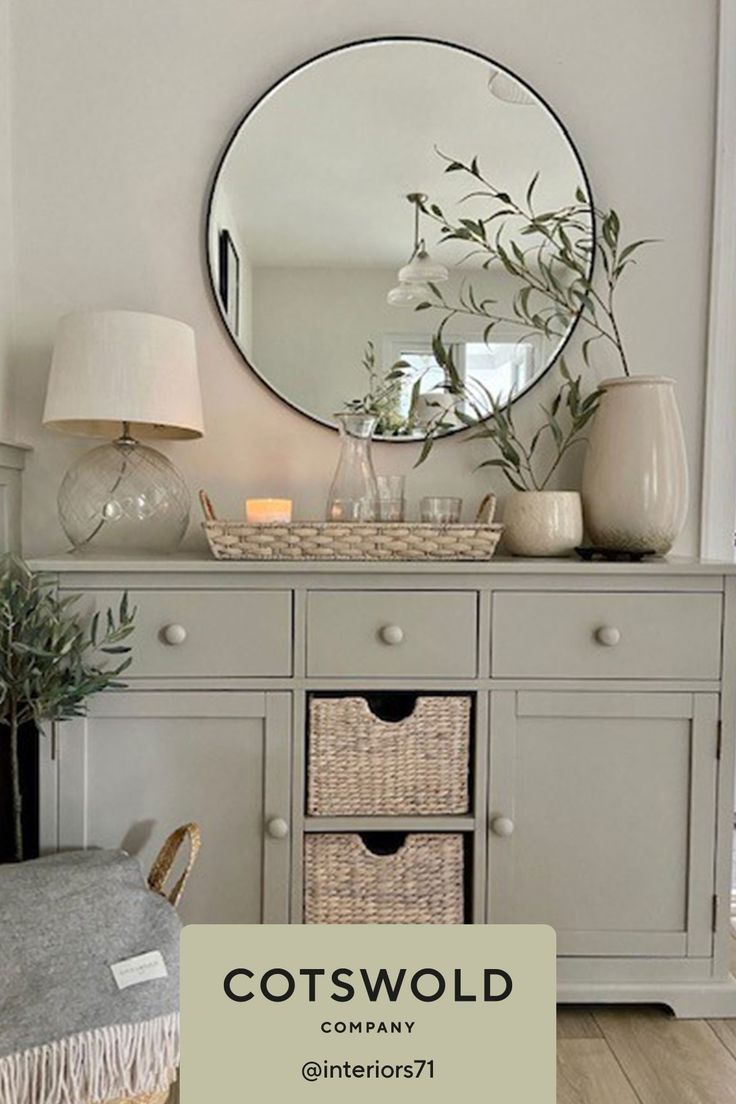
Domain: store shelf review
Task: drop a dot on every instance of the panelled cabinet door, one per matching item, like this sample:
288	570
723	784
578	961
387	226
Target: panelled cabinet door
601	819
143	763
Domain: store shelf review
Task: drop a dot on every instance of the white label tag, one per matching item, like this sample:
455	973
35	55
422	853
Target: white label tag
143	967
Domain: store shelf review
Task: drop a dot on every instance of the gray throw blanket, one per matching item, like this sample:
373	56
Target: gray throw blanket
67	1032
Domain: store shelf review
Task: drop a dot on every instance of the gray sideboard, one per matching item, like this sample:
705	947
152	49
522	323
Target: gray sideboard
604	701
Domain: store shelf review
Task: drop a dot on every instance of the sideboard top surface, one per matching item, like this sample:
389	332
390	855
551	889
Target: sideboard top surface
499	565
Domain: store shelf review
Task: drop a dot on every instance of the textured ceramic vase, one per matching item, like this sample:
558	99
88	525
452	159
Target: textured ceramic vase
542	523
635	482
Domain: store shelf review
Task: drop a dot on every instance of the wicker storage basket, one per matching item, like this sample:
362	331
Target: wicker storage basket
345	883
361	765
334	540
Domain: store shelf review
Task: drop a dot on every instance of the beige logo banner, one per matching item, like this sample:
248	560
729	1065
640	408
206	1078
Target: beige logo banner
354	1013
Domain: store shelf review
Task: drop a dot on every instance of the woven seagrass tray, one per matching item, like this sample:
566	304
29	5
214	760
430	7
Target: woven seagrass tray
336	540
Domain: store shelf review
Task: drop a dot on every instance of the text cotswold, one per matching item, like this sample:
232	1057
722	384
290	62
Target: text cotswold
426	984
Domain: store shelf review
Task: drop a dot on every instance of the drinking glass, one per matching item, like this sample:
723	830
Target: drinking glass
440	510
390	497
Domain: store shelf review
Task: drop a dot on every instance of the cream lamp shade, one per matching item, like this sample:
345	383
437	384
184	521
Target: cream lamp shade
117	366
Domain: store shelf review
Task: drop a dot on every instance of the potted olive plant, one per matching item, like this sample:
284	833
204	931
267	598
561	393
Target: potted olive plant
50	661
538	521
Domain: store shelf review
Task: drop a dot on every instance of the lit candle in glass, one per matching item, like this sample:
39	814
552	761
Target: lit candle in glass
260	511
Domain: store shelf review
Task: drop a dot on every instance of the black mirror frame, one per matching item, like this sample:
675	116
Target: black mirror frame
211	280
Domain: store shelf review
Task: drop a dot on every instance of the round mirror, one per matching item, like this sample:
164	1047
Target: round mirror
383	234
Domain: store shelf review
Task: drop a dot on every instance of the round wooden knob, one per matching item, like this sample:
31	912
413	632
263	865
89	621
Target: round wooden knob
608	636
277	828
392	634
502	826
174	634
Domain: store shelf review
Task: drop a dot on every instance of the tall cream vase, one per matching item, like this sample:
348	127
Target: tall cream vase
635	480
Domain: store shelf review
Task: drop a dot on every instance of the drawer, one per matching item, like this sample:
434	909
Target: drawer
208	633
416	879
392	633
360	764
606	635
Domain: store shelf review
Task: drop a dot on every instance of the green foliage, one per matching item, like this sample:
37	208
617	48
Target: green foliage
563	422
383	395
492	420
550	255
555	271
50	662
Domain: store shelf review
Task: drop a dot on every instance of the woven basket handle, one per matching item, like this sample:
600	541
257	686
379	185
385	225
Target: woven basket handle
164	861
486	510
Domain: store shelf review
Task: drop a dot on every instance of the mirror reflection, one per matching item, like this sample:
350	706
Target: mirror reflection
367	229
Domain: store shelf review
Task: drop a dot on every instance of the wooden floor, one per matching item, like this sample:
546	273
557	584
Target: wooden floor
627	1055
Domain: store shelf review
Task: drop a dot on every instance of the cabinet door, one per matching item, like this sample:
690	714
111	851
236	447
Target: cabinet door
142	763
602	819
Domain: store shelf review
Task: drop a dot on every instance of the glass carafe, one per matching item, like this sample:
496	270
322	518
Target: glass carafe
354	493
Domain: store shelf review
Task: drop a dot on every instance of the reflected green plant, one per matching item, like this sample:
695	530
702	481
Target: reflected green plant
383	396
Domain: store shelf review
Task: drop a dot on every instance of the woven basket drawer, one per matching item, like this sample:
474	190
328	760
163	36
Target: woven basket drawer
421	883
362	765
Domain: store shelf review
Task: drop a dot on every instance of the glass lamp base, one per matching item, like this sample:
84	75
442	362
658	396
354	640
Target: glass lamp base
124	497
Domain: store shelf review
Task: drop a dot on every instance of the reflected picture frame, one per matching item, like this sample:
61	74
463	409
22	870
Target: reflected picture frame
228	279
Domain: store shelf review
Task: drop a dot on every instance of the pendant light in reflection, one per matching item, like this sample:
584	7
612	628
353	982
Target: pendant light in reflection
404	294
506	88
421	270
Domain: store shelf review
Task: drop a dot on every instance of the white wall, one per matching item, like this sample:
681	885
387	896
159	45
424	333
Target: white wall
120	111
6	228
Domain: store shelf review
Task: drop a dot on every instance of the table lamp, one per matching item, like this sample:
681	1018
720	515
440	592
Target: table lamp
124	375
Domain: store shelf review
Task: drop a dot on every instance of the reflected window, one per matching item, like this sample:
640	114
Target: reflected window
503	368
499	368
